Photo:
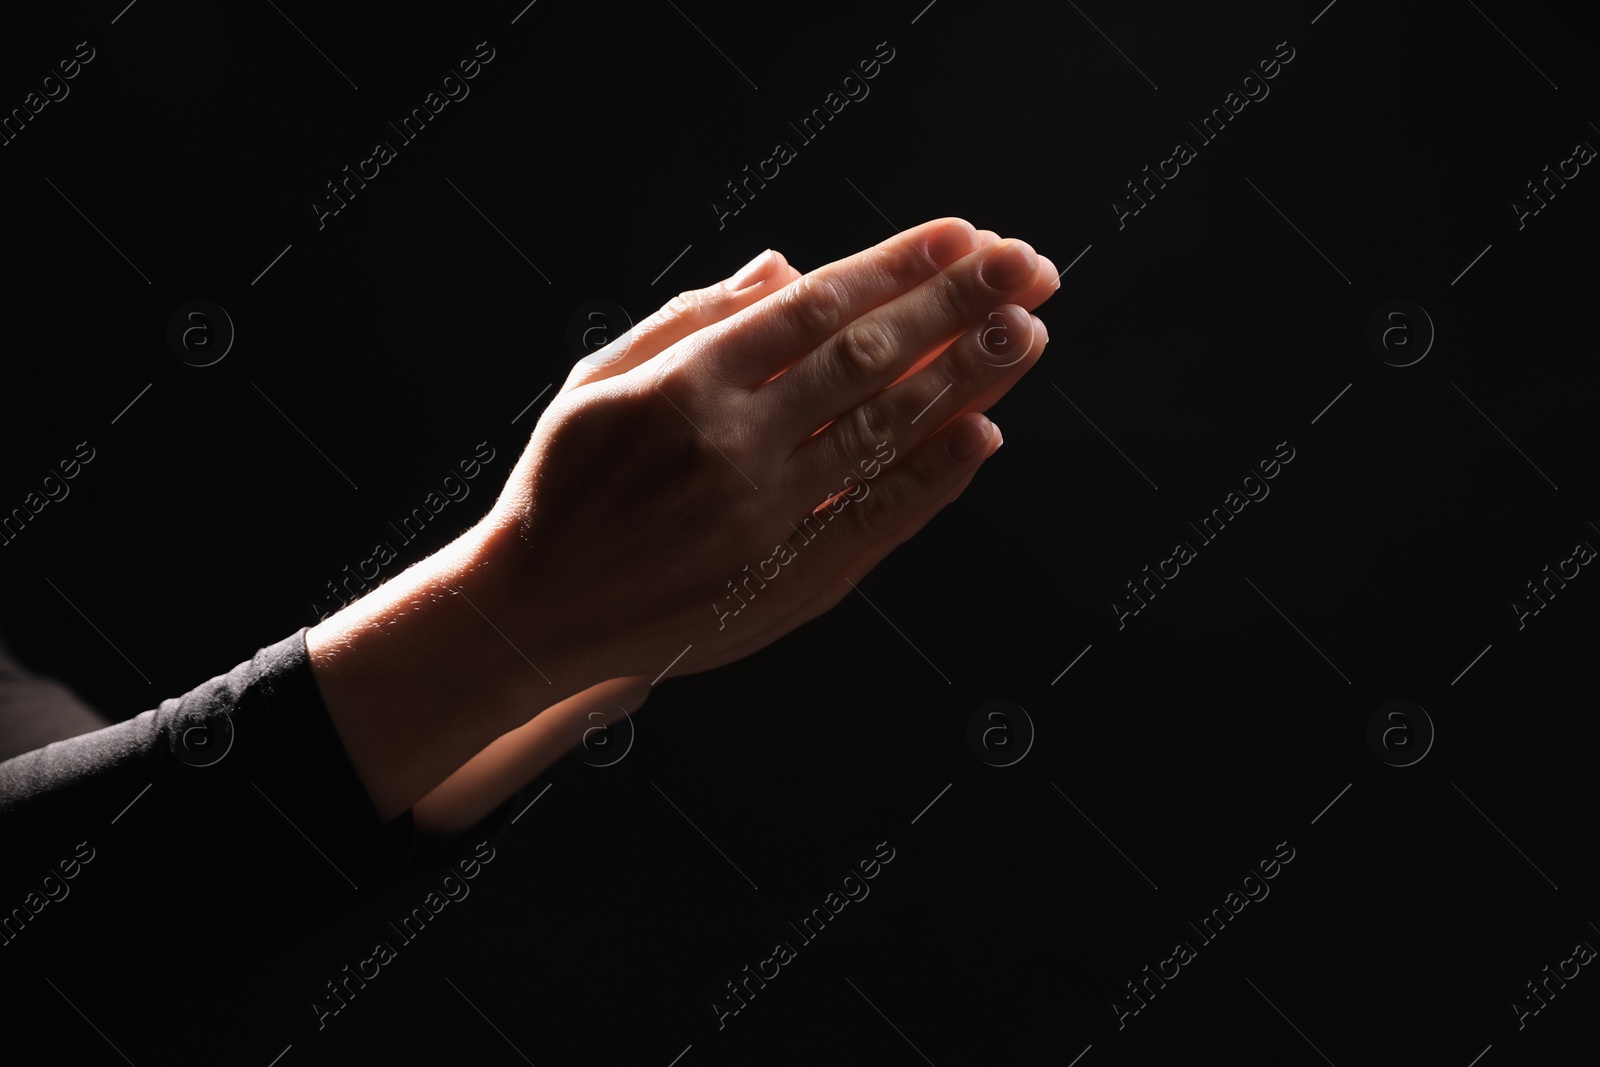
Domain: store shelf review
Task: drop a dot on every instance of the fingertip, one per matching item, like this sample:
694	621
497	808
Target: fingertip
952	239
762	266
1048	269
971	437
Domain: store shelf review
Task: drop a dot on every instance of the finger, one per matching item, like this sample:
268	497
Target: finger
872	352
1036	296
972	373
878	496
1046	285
689	311
988	396
605	703
1049	279
829	596
862	565
932	489
816	305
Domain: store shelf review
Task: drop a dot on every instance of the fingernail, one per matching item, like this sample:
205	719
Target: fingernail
1039	329
752	271
1047	265
970	438
951	243
1009	265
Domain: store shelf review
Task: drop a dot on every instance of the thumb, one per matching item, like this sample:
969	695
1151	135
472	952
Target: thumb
684	314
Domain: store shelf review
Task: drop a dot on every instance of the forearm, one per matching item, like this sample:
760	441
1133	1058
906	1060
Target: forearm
237	795
426	671
514	759
430	669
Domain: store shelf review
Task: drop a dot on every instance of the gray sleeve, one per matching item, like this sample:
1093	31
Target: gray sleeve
237	794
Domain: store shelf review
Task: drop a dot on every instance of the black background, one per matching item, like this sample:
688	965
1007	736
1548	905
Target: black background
1175	753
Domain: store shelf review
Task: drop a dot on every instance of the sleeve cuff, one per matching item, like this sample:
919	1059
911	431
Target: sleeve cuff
314	782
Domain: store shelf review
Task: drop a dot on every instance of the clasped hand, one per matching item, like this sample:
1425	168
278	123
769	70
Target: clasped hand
707	483
723	437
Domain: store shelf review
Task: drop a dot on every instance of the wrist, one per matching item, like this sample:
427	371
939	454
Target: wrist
429	668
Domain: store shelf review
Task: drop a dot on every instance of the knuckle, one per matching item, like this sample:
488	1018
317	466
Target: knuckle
686	305
877	515
963	363
741	440
901	268
953	299
864	349
815	304
956	378
869	432
908	269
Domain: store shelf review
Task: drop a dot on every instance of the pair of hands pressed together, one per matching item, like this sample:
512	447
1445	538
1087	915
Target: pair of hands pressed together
667	462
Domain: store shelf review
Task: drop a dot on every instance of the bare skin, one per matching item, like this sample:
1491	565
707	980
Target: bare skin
697	445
